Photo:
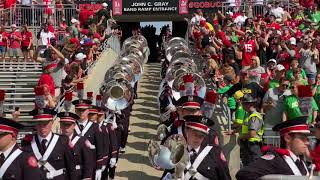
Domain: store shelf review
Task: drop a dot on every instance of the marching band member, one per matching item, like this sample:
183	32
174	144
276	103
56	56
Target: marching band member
14	162
82	154
205	161
52	151
285	160
91	131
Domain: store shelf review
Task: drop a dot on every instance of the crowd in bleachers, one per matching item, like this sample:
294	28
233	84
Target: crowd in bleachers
65	50
266	67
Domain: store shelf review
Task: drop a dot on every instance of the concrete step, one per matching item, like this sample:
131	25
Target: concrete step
15	94
4	85
19	89
18	80
19	104
19	99
20	76
20	73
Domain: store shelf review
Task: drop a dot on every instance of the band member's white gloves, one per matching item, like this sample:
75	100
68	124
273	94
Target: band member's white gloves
113	162
98	174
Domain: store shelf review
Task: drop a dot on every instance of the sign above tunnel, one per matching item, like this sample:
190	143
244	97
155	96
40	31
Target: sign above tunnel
141	7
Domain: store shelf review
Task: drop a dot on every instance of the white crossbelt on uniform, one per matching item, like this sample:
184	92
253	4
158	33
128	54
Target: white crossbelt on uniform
84	131
43	159
9	161
195	165
74	142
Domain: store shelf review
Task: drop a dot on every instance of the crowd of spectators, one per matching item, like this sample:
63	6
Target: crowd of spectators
65	59
274	57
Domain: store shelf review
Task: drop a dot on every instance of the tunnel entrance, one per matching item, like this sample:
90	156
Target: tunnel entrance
154	37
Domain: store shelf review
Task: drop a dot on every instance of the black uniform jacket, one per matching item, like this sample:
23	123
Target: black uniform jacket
114	145
271	163
83	156
106	143
60	158
95	137
24	167
214	166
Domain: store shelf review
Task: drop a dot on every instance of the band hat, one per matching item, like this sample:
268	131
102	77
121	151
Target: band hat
198	123
192	102
94	109
43	114
297	125
82	104
9	126
68	117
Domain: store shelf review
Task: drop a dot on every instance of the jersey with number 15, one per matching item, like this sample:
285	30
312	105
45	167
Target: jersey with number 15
248	52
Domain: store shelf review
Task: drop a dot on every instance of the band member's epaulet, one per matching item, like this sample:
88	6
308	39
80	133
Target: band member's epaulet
28	138
279	151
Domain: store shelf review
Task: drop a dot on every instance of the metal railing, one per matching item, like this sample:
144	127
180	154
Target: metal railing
35	15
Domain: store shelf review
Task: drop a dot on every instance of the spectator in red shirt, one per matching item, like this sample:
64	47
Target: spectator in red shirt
3	43
249	46
14	44
46	79
26	44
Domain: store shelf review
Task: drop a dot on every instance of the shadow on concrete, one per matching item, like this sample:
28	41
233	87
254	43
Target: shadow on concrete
143	135
148	111
151	87
145	125
151	81
149	104
134	175
136	158
152	99
151	93
140	146
146	117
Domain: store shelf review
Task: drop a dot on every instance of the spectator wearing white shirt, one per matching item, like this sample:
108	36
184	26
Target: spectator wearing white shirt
44	37
198	16
239	21
277	11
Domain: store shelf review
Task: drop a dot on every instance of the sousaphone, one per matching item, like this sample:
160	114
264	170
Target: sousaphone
198	81
116	94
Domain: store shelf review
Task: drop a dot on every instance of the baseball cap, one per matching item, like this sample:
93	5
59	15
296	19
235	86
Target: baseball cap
74	21
280	67
80	56
272	60
13	25
293	41
104	4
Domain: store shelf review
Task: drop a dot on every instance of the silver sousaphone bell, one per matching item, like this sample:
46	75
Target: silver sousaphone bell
198	83
172	154
116	94
180	66
133	51
121	72
133	63
171	50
